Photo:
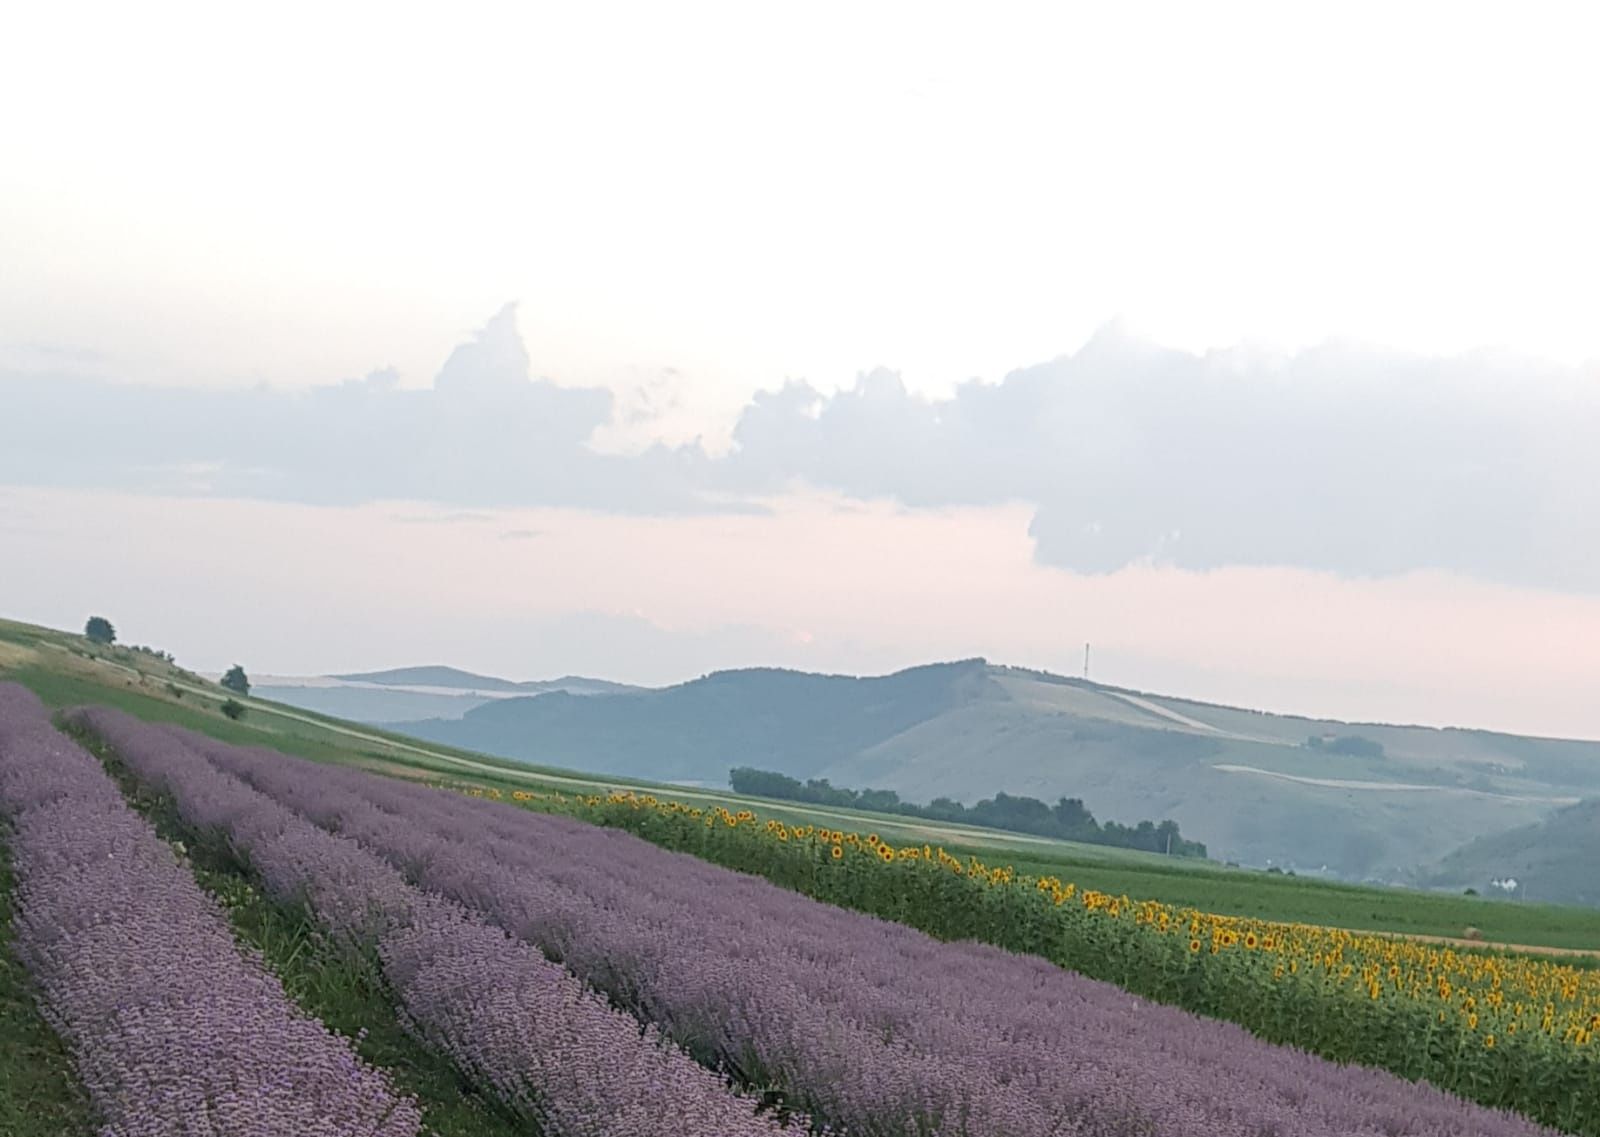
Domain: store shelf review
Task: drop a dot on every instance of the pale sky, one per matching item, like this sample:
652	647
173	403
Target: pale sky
1332	456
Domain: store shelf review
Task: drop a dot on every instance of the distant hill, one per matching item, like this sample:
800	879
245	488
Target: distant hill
1554	861
454	677
430	677
781	720
407	694
1364	801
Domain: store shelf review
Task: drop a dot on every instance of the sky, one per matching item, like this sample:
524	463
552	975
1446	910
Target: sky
1254	344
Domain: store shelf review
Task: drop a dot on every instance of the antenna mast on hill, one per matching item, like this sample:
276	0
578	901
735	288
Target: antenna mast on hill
1086	662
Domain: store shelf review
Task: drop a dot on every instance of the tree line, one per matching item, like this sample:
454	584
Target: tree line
1352	744
1067	820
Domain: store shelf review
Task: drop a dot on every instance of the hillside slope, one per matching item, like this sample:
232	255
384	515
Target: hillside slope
1367	801
65	669
1554	861
782	720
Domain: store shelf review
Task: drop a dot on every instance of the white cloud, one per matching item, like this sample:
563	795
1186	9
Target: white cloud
1339	458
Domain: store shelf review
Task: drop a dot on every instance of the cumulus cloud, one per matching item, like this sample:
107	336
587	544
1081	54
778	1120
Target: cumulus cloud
1338	458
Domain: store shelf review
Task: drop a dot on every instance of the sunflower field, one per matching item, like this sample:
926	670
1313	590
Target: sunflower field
1509	1030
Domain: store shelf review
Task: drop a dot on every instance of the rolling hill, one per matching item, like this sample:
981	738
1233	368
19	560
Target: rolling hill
1365	801
65	669
1398	804
1554	861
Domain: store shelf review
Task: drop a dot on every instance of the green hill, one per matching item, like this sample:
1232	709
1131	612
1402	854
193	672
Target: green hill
782	720
1555	861
1365	801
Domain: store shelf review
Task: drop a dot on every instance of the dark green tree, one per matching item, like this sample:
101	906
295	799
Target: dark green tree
100	631
233	708
236	680
884	801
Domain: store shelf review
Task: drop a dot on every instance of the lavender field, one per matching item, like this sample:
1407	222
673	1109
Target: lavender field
583	980
553	1050
172	1029
599	984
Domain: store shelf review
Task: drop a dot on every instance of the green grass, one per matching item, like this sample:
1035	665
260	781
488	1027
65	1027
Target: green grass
39	1094
152	702
344	990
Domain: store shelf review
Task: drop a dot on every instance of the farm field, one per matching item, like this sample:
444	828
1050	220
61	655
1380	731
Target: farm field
294	822
167	1021
65	670
174	1027
1440	1012
793	999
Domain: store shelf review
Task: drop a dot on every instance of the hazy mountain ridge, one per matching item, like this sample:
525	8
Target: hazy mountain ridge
1245	782
429	676
404	695
440	676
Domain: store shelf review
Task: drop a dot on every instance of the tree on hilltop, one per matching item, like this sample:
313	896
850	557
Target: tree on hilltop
236	680
100	631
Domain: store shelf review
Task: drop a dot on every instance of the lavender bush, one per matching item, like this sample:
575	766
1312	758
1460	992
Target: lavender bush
875	1027
173	1030
521	1025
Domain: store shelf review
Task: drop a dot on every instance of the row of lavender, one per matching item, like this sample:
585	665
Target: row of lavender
871	1026
172	1029
520	1025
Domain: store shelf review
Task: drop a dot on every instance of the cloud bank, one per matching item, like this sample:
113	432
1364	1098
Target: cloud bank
485	434
1339	458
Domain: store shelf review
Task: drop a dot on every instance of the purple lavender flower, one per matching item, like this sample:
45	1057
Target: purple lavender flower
522	1026
873	1026
173	1029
